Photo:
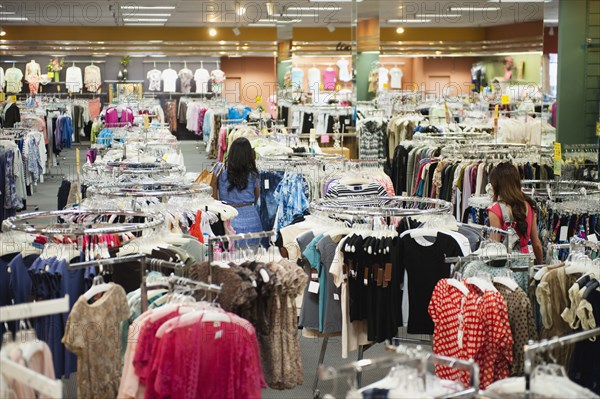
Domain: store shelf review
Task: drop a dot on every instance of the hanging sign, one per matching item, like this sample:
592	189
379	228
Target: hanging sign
557	159
496	108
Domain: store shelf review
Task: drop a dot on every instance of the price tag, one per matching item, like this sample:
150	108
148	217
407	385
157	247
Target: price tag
386	86
325	138
336	297
321	86
13	98
472	87
267	185
598	129
146	122
51	75
258	99
496	111
505	100
313	287
338	87
563	233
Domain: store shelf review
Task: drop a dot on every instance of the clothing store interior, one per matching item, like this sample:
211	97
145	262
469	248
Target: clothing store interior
300	199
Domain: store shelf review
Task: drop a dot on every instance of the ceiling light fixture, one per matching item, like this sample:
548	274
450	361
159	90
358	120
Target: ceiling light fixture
222	42
440	15
551	31
236	31
488	8
314	8
334	1
330	28
147	7
400	30
2	32
407	21
7	13
212	32
137	14
20	19
143	24
262	25
145	19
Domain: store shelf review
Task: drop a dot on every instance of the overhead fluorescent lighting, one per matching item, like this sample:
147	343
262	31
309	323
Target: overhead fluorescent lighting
13	19
551	21
519	1
147	7
143	24
333	1
440	15
314	8
488	8
145	19
158	55
7	13
261	24
138	14
279	21
407	21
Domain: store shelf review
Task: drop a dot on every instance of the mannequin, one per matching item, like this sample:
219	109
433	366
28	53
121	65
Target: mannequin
32	76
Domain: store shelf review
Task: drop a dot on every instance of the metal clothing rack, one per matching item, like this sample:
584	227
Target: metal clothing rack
392	206
473	257
380	206
145	190
193	284
234	237
47	387
576	241
533	348
416	358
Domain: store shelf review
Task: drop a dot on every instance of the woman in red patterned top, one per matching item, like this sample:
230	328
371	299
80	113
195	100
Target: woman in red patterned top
506	183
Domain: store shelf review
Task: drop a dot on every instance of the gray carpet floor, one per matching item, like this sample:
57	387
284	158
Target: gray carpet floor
45	198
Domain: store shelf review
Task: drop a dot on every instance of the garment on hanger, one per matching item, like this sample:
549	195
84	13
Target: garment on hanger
329	77
201	77
396	78
92	78
185	78
169	78
383	78
344	72
12	77
32	76
74	79
217	79
154	77
297	78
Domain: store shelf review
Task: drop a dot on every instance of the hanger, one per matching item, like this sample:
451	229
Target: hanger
98	287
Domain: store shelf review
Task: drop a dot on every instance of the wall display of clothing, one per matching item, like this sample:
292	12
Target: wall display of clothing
318	117
32	76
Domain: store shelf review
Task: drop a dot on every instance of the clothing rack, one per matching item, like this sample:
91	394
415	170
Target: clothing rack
532	349
575	241
143	190
484	258
417	358
196	285
380	206
230	238
46	386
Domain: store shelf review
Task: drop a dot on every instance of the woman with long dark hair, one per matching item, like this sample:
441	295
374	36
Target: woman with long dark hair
238	186
511	202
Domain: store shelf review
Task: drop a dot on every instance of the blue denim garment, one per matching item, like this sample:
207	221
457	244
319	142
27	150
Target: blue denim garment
235	196
11	200
292	199
267	206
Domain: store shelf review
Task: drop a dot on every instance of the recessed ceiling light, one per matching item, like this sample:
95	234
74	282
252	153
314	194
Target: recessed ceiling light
147	7
407	21
551	21
222	42
145	19
400	30
212	32
2	32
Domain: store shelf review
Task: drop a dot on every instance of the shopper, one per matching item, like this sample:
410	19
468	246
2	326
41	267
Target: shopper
514	206
238	185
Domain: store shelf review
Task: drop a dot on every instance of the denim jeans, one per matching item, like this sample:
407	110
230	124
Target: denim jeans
269	180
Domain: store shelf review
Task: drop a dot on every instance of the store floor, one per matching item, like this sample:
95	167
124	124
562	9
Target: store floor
45	198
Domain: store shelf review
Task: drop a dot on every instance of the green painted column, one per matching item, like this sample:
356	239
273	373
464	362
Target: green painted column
573	72
364	61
